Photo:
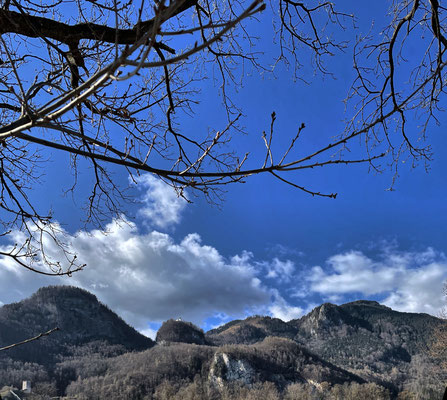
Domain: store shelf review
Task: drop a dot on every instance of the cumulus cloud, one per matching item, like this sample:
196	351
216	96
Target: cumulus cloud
162	207
280	270
151	277
407	281
421	290
282	310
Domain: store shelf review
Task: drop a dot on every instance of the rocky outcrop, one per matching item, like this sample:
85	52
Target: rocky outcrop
180	332
326	320
357	342
225	368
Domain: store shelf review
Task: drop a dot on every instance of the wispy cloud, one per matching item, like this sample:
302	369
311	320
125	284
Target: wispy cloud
280	270
407	281
161	205
281	309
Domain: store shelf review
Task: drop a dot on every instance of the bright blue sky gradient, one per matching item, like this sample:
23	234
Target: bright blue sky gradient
393	229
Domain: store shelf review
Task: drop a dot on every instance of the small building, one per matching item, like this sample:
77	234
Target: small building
26	386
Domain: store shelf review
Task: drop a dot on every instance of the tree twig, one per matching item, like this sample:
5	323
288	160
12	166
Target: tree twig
40	335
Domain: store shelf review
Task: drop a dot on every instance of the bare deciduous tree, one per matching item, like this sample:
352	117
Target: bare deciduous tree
112	83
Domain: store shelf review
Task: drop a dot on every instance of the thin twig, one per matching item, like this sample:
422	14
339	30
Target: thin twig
40	335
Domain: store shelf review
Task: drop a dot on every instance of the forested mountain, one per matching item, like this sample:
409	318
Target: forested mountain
364	337
78	314
87	330
360	349
180	331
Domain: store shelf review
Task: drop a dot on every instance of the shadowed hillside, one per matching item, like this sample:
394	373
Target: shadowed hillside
78	314
180	331
356	350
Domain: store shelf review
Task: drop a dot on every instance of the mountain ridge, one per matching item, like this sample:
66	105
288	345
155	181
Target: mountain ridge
78	314
357	343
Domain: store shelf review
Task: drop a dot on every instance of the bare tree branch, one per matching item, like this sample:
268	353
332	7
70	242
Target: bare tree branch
118	84
40	335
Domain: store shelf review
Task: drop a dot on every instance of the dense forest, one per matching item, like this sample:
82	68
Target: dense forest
357	350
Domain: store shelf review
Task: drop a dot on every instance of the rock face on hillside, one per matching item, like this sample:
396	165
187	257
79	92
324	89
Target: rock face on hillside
365	332
274	359
364	337
97	355
180	332
225	368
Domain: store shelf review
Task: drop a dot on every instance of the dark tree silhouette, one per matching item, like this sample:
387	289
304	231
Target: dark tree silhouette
112	83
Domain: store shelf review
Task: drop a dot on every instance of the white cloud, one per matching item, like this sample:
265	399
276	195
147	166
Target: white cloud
162	206
282	310
408	281
151	277
149	332
353	272
421	290
280	270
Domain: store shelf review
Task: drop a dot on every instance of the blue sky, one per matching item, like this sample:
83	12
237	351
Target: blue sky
268	248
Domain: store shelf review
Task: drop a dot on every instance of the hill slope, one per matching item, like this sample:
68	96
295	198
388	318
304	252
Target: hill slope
277	360
364	337
97	355
78	314
88	329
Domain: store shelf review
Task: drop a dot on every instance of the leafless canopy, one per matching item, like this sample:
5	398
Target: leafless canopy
111	83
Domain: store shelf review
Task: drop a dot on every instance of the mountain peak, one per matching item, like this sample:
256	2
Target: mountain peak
363	337
251	330
180	331
327	312
367	303
53	291
78	314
